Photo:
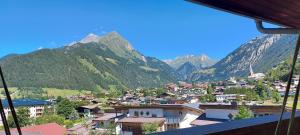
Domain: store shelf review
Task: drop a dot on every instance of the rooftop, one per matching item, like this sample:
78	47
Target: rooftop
25	102
192	107
230	106
90	106
44	129
107	116
141	120
203	122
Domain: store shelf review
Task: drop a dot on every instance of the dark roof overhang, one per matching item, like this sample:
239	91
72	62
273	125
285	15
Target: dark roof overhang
283	13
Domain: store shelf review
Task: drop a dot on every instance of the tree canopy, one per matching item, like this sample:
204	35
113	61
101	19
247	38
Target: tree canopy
149	128
22	116
64	108
243	113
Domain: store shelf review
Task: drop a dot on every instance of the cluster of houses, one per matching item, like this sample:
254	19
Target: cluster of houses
129	120
281	86
164	98
176	108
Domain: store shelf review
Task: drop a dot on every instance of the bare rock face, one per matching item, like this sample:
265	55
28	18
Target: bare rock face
262	53
200	61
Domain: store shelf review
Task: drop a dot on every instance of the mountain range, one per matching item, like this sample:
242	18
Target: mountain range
187	65
95	62
110	62
262	53
200	61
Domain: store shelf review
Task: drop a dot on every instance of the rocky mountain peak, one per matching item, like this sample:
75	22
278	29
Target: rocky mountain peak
198	61
90	38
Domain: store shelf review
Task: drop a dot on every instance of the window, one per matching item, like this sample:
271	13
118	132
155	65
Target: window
154	115
128	128
142	113
147	113
136	113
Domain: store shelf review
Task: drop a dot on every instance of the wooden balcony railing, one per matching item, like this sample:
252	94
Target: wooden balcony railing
254	126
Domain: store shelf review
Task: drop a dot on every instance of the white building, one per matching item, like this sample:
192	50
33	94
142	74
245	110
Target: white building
226	111
255	76
167	116
35	107
226	97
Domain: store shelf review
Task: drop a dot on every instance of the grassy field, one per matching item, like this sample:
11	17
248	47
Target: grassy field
290	102
51	92
12	91
64	92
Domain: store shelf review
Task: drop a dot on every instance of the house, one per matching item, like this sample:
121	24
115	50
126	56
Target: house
171	87
226	111
201	85
44	129
89	110
106	120
295	80
35	107
133	125
166	95
192	99
80	129
228	97
167	116
185	85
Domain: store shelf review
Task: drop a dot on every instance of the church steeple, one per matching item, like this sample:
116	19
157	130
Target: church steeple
251	70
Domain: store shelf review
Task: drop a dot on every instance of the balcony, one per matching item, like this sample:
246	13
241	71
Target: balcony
255	126
173	120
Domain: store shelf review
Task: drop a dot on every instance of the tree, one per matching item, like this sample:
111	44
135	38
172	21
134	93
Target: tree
50	119
264	95
276	96
58	99
202	99
243	113
113	92
80	103
210	89
64	108
160	91
74	115
68	123
207	98
149	128
251	96
111	129
22	116
48	110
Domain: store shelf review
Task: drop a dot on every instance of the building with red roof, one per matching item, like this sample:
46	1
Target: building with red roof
44	129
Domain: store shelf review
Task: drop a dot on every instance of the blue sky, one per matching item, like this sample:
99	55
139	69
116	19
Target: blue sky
160	28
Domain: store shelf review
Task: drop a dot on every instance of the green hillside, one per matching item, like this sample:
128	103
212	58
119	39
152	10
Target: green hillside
107	63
